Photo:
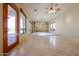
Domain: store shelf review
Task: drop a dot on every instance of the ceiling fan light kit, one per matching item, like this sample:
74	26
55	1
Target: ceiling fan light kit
53	8
52	11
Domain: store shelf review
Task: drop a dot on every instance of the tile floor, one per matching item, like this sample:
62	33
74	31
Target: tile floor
47	45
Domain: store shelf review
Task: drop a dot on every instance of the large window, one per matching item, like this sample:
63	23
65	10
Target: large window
22	22
52	26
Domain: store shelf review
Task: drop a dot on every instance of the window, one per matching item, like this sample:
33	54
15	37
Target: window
54	26
22	22
51	25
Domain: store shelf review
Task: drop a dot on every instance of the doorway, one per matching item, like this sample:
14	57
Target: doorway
10	26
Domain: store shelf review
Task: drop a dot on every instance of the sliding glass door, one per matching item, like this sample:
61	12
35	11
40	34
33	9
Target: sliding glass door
11	26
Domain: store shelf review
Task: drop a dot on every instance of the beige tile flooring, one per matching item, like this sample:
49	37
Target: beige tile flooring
47	45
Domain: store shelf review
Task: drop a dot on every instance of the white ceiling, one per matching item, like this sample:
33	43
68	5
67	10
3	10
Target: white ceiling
42	11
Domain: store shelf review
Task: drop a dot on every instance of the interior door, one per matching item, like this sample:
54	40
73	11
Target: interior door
10	26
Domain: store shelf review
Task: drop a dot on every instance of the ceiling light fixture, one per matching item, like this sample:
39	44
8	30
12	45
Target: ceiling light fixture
53	8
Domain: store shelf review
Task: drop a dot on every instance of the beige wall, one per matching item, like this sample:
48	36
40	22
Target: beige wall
68	24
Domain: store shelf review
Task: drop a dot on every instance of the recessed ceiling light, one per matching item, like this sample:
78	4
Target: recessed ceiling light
35	10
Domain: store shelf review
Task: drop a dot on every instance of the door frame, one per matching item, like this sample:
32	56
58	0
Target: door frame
7	48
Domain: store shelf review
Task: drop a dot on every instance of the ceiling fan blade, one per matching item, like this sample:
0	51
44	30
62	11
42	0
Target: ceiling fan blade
58	9
56	5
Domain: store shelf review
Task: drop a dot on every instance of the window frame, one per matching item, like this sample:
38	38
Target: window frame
23	13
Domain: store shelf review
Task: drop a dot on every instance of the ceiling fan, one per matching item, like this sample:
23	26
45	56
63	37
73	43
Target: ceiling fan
54	8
